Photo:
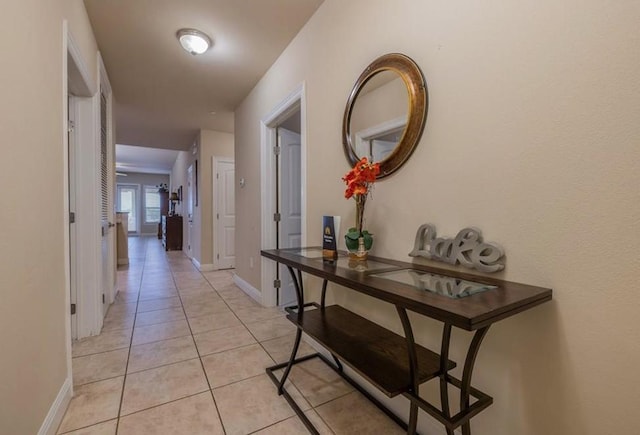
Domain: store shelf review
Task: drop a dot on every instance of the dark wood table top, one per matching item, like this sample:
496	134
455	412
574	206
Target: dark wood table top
470	312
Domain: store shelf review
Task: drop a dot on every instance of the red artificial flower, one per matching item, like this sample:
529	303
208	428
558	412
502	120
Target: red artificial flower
361	177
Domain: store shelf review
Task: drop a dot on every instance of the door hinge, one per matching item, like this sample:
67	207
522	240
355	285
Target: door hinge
103	298
217	176
276	150
217	215
277	283
277	217
72	217
218	256
71	126
73	309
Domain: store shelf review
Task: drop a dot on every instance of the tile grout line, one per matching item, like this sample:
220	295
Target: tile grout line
135	316
204	371
274	361
171	264
164	403
86	427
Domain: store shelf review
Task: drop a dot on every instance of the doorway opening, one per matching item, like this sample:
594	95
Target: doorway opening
190	202
82	181
128	199
224	213
284	185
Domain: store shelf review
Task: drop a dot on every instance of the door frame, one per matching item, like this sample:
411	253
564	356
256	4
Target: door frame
71	197
190	210
215	205
76	79
296	100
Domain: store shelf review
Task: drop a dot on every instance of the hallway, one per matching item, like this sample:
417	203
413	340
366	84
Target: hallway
185	352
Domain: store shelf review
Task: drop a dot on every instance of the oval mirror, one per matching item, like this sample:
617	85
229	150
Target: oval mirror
386	112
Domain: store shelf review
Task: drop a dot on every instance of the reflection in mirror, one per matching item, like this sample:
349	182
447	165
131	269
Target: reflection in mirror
379	116
385	113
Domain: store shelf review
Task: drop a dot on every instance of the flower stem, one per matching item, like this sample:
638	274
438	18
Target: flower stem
360	202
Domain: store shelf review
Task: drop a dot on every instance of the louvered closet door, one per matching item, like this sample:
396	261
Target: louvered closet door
104	199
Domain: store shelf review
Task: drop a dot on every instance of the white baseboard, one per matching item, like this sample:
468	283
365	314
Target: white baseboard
57	410
248	288
202	267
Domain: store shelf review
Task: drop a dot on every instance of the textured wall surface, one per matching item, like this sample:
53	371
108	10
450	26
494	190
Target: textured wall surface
533	136
33	313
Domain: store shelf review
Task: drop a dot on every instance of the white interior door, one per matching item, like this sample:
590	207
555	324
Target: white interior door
127	202
106	212
73	238
190	200
290	231
225	214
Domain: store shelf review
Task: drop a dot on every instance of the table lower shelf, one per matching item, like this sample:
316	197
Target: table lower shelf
377	354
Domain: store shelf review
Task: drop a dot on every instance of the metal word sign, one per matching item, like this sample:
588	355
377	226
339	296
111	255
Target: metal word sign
467	248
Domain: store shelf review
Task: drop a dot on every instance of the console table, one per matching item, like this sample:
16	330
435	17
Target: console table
392	363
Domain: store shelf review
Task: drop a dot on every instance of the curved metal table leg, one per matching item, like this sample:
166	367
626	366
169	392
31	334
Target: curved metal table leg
444	383
323	298
297	282
469	362
413	368
324	294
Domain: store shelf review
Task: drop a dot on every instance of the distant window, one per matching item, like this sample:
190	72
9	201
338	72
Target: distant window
151	205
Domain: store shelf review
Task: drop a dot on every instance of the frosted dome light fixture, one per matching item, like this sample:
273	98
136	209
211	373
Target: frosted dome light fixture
194	41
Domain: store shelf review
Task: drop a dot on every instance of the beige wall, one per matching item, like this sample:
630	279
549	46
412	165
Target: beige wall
208	143
218	144
532	135
33	311
178	178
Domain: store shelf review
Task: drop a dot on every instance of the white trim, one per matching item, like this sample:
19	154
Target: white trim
89	318
85	85
58	408
384	127
248	289
202	267
104	78
65	208
363	137
295	100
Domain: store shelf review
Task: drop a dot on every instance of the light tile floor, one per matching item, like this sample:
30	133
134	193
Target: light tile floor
184	352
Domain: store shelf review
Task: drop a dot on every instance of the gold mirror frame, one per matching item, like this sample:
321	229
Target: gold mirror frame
416	85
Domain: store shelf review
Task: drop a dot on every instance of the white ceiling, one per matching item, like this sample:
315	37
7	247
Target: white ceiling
145	160
163	94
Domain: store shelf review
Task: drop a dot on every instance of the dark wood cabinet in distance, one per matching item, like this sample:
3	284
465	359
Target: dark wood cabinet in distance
164	210
172	233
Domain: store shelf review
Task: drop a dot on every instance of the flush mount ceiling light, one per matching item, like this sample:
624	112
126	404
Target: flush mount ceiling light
194	41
